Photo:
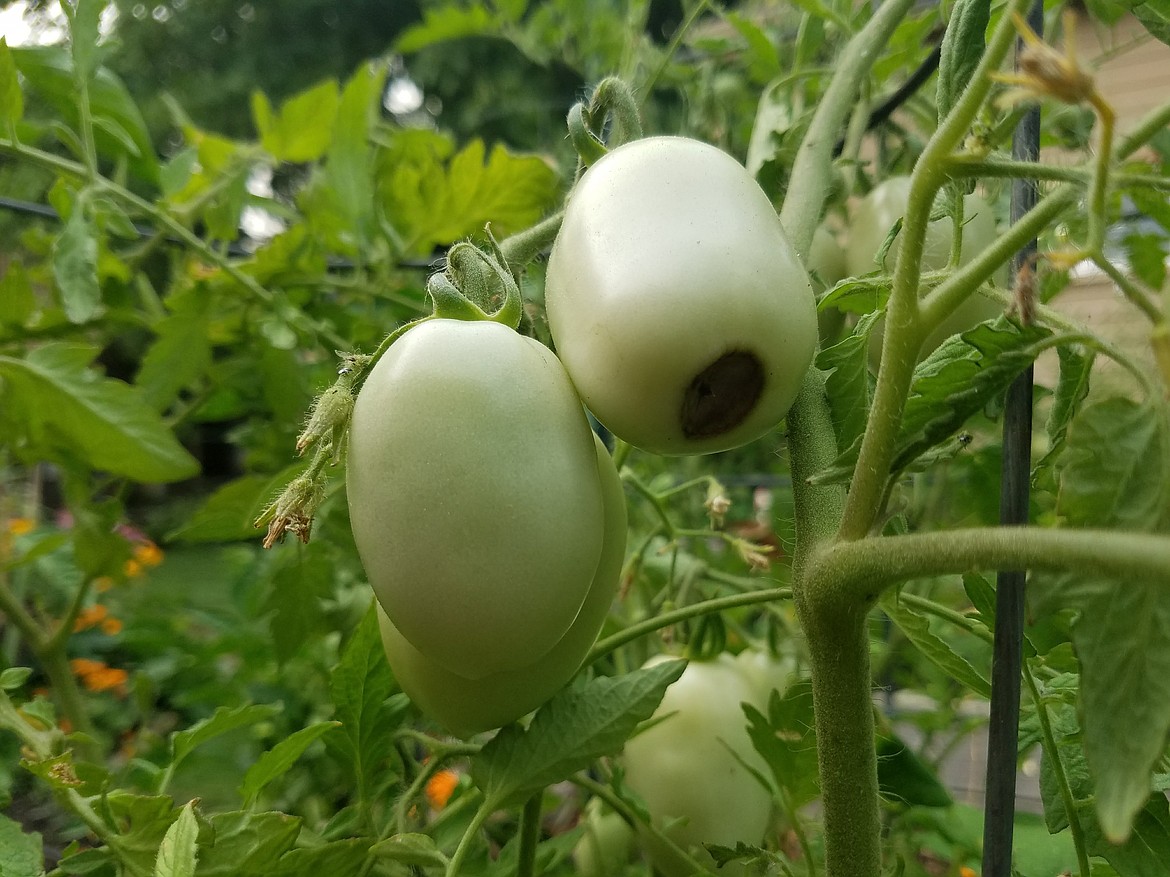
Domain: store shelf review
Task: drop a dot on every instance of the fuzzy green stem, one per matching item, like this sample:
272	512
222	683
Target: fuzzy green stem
522	247
1053	752
905	326
469	835
863	569
666	619
1132	291
529	835
837	634
812	168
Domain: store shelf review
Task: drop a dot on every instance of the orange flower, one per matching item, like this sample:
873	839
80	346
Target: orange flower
98	676
132	568
20	526
111	626
103	584
148	554
90	617
440	787
967	872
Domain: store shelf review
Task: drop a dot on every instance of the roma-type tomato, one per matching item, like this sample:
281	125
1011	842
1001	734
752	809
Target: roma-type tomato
474	495
467	706
870	223
688	765
677	305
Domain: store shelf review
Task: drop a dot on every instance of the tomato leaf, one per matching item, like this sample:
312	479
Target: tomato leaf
229	513
435	201
410	849
276	761
178	852
180	354
248	843
303	129
1116	472
17	302
578	725
75	257
916	627
959	379
962	47
785	739
1155	15
361	684
1148	847
21	855
848	383
295	598
11	98
337	857
184	742
1072	389
60	404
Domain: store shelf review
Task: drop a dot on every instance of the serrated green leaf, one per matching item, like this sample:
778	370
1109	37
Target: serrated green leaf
181	352
1147	849
21	855
763	57
75	257
1116	472
84	18
578	725
1152	204
276	761
1072	388
295	600
962	47
63	405
14	677
960	378
916	627
848	382
303	128
48	71
857	295
17	302
11	97
248	844
1146	254
410	849
432	201
228	515
361	684
446	23
337	857
905	778
1116	469
225	719
142	822
179	850
1155	15
786	740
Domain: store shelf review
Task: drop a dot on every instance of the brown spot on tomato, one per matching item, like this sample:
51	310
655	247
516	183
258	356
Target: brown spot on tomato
722	395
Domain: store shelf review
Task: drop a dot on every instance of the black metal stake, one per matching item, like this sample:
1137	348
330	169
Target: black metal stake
1003	729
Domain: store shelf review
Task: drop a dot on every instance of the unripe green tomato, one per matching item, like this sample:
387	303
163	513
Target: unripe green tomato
765	673
872	220
604	847
467	706
684	766
677	305
826	257
474	495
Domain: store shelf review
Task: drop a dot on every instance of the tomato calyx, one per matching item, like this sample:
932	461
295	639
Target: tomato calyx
612	99
476	285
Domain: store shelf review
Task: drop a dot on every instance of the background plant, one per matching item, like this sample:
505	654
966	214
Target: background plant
155	369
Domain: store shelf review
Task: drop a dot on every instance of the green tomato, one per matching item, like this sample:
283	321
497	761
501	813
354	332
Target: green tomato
689	767
765	673
605	846
474	495
826	257
677	305
467	706
871	222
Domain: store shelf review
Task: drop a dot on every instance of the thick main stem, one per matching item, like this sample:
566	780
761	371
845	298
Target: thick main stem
838	641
